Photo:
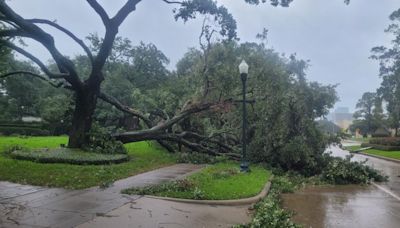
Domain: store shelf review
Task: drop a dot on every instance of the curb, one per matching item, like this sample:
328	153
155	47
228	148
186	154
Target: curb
380	157
264	192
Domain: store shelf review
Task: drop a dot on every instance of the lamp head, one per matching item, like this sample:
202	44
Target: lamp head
243	67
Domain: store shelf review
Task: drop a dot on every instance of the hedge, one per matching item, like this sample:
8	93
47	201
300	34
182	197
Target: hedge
380	135
23	131
381	147
21	124
387	141
69	156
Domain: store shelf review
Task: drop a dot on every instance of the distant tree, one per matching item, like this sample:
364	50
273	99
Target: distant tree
389	58
369	113
365	107
21	94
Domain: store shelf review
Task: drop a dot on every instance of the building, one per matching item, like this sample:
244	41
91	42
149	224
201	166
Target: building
341	117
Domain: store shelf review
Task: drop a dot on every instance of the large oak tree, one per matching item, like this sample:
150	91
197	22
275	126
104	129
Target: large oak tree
87	88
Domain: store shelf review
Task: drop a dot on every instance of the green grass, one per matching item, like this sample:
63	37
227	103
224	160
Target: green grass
352	148
144	156
388	154
217	182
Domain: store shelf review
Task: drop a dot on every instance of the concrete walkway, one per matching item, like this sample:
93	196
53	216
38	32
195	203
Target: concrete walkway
29	206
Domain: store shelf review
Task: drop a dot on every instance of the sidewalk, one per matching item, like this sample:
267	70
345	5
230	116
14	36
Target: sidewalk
155	213
30	206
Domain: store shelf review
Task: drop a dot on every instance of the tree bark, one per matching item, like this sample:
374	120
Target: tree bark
85	105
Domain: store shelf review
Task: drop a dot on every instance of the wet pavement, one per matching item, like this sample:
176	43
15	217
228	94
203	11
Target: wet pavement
155	213
30	206
376	205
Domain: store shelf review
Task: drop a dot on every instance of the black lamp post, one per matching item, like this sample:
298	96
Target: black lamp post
244	70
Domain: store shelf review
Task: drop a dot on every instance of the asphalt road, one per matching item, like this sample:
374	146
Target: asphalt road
375	205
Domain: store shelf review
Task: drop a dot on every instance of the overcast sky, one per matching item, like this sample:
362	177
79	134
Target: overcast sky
335	37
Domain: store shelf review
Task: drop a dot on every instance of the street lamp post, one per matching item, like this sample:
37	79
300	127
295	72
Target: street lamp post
244	70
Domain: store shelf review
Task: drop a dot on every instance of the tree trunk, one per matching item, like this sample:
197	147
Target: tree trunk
85	105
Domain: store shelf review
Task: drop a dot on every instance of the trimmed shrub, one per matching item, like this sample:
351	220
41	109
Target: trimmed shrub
198	158
19	130
69	156
386	144
388	141
178	186
381	147
381	132
21	124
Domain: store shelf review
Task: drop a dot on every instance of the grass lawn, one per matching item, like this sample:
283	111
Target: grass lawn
144	157
217	182
352	148
388	154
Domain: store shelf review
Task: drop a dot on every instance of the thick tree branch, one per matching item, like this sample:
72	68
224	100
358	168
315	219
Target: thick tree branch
204	139
192	109
13	33
128	8
112	26
5	20
64	64
142	136
100	11
28	73
34	59
167	124
66	31
124	108
159	132
173	2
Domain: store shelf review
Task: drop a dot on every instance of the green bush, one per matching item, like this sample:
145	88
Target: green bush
198	158
380	135
345	171
388	141
386	144
381	147
174	186
269	212
101	142
303	154
21	124
69	156
20	130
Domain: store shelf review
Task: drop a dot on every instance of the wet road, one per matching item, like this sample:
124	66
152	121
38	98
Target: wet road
350	206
